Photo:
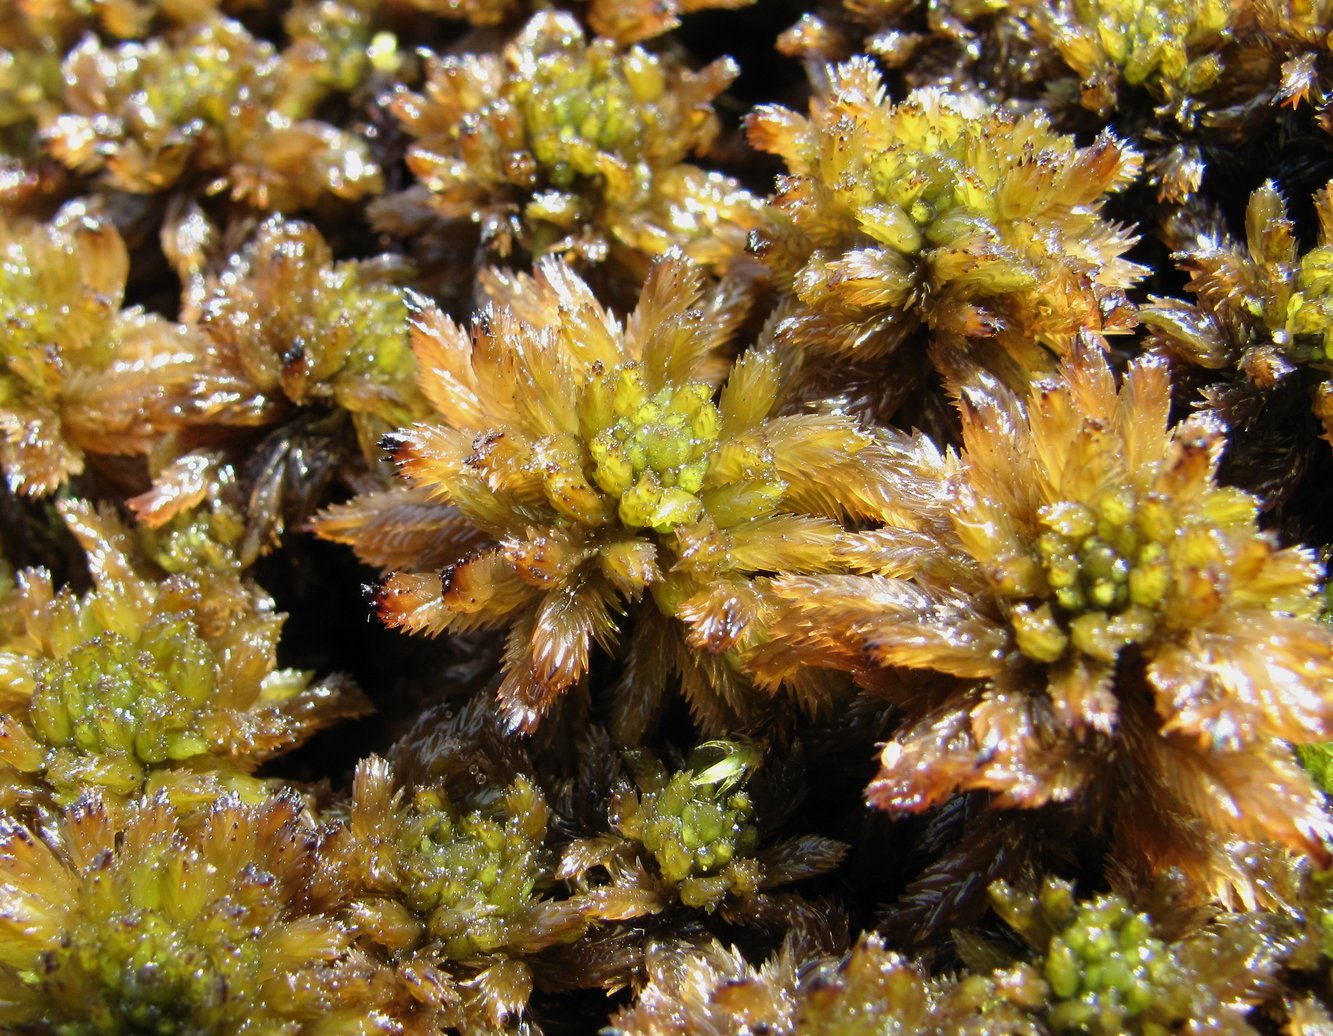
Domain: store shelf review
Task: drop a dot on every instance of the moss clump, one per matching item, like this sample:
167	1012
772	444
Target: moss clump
832	459
211	102
1117	592
158	925
454	883
698	823
1173	49
1109	971
1263	312
149	681
80	373
942	210
569	146
618	481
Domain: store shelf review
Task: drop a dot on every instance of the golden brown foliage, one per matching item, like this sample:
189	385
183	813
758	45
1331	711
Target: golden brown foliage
303	367
209	101
945	211
150	681
1109	623
592	457
560	145
1092	967
80	373
929	39
159	923
1263	311
625	21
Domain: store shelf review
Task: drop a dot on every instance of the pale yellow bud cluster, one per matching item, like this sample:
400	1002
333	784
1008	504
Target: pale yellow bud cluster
1108	571
652	451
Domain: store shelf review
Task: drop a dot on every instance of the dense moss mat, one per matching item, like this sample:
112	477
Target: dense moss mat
670	516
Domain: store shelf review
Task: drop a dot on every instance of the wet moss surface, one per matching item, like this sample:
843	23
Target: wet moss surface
694	517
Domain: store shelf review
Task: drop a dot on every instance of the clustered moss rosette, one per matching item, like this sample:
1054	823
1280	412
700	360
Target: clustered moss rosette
80	375
696	823
1093	966
692	836
303	365
458	895
1175	50
443	882
215	922
588	468
944	211
561	145
1263	311
294	328
1108	968
1116	626
147	682
208	102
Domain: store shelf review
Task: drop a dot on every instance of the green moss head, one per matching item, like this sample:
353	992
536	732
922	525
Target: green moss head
567	145
80	374
209	101
945	210
434	878
652	451
600	466
471	872
148	679
697	822
161	924
1109	969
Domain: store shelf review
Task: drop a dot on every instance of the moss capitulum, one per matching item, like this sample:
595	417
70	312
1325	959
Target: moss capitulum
578	105
115	696
695	821
926	175
653	450
155	981
692	831
1108	571
1147	38
1309	316
1104	966
471	871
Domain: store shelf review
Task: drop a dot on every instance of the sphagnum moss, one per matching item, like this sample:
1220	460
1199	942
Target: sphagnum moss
1115	620
150	682
1173	50
562	145
1263	312
944	211
170	924
693	836
82	374
210	102
604	480
241	243
302	365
